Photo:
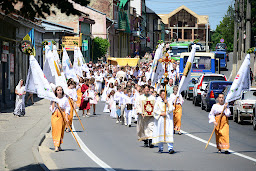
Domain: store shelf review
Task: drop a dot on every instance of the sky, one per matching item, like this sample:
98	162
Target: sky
215	9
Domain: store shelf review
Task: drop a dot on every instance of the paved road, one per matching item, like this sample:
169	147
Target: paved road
117	146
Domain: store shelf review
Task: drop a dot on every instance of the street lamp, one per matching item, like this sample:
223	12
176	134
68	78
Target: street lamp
168	32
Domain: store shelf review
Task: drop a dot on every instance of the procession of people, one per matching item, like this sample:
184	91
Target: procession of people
131	97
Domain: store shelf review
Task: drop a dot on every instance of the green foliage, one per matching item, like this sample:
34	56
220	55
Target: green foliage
100	47
225	30
251	50
75	42
40	8
53	42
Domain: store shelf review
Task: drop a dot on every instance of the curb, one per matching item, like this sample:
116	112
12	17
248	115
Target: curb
35	149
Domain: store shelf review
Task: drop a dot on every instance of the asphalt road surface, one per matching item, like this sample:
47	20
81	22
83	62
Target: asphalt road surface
115	146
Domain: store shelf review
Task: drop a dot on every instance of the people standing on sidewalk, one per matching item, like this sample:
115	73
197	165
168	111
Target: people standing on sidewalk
59	116
163	132
20	99
221	128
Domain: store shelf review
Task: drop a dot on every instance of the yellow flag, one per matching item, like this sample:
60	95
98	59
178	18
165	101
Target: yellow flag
27	37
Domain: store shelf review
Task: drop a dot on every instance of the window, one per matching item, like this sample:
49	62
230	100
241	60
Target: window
200	62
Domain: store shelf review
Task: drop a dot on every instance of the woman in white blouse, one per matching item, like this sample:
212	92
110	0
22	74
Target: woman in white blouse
221	128
57	119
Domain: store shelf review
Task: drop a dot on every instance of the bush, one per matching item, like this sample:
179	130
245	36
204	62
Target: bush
100	47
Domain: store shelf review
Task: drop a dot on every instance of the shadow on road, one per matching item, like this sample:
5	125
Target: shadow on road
38	168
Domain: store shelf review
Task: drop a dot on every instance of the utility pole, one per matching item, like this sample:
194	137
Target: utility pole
207	36
235	41
240	30
248	25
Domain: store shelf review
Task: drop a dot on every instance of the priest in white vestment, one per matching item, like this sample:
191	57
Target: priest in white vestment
145	124
163	134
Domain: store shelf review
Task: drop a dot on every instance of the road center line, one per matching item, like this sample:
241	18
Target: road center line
90	154
211	144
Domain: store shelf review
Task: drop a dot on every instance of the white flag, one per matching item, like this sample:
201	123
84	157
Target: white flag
55	54
37	82
184	82
67	67
83	63
241	82
77	62
156	68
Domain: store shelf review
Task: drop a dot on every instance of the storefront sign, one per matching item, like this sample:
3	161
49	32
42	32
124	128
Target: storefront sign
68	41
11	62
4	57
5	47
85	45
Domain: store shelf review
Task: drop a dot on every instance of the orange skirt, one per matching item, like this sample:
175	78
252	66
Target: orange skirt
57	128
177	113
79	97
70	116
222	133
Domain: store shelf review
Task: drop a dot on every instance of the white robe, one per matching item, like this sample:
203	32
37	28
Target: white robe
145	125
158	132
98	81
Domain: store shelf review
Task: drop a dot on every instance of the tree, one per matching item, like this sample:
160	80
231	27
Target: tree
225	30
39	8
100	47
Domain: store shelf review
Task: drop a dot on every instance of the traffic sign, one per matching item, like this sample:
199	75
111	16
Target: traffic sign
221	40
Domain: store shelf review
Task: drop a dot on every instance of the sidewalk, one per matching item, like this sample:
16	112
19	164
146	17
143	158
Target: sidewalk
21	136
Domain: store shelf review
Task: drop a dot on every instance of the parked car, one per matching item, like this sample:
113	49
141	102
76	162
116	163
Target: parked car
201	84
189	92
212	91
243	107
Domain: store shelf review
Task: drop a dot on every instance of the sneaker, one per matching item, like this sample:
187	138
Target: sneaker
125	124
120	121
135	122
94	113
179	133
87	116
171	151
219	151
83	115
117	122
129	126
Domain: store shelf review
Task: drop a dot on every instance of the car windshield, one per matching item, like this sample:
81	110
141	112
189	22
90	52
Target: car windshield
200	62
219	86
249	95
221	56
207	79
179	50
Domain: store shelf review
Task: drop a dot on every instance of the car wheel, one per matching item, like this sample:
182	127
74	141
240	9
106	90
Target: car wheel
254	123
239	118
202	105
235	116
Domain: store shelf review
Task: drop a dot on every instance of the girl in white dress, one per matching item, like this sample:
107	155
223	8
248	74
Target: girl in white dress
20	99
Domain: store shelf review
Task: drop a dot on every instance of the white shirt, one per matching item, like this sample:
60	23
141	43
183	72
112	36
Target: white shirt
216	110
128	100
173	98
118	97
63	103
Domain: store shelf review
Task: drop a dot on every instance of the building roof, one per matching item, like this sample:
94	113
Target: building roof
54	27
202	19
